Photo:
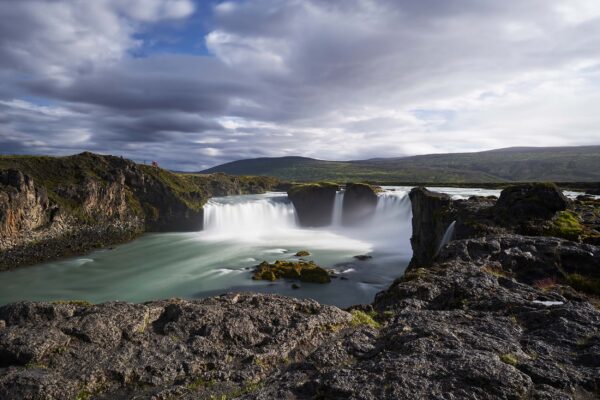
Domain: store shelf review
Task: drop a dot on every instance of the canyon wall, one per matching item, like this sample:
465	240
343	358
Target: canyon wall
54	207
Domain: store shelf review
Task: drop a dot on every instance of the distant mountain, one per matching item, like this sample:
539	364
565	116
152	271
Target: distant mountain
559	164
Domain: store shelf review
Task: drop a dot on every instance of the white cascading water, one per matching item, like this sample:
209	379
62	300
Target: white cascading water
250	216
447	236
274	216
337	208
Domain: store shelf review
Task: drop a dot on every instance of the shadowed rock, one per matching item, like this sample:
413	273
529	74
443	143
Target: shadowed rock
313	203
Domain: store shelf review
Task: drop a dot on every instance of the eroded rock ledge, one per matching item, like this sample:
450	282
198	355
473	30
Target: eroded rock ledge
52	207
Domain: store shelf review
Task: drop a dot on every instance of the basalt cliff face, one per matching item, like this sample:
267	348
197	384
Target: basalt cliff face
314	203
493	315
52	207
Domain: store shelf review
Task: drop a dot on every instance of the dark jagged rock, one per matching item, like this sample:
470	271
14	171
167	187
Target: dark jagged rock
166	349
530	201
313	203
529	259
360	201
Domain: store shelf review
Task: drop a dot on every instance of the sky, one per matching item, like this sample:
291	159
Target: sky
193	84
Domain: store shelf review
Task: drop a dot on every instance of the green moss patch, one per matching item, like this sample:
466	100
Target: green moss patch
361	318
307	187
78	303
305	271
509	359
565	225
584	284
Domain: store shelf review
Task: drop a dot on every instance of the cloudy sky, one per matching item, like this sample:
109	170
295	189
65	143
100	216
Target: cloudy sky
196	83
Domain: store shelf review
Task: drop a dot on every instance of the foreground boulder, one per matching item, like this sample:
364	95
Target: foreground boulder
313	203
531	201
360	202
224	346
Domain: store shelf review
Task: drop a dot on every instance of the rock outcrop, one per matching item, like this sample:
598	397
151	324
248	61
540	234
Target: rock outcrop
305	271
432	216
224	346
313	203
54	207
360	202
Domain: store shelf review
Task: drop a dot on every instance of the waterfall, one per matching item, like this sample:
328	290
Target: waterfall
447	236
394	206
338	208
260	216
239	215
389	226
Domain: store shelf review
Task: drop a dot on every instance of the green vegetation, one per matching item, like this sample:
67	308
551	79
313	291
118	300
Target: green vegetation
412	275
566	225
78	303
496	271
83	395
305	271
145	186
584	284
361	318
558	164
312	186
510	359
201	383
35	365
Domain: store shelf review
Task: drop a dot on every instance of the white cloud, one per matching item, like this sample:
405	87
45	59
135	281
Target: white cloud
333	79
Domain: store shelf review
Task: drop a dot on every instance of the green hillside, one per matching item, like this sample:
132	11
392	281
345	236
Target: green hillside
560	164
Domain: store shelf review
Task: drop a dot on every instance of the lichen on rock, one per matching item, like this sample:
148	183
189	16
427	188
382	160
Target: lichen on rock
305	271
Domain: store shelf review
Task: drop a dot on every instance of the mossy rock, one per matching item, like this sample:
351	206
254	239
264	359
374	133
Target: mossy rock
307	187
361	318
584	284
302	253
301	270
565	225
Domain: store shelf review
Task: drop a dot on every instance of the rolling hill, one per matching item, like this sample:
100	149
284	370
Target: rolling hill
559	164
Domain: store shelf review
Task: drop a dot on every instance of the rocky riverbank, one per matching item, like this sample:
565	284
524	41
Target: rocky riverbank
52	207
490	315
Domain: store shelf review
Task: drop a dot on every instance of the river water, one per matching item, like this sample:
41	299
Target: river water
240	232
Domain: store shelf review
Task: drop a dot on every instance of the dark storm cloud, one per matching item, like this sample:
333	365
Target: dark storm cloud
325	78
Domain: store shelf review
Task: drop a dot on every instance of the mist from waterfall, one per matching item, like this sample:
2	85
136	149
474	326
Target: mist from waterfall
261	218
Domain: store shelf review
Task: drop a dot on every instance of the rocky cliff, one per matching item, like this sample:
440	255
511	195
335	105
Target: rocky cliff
52	207
313	203
432	216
